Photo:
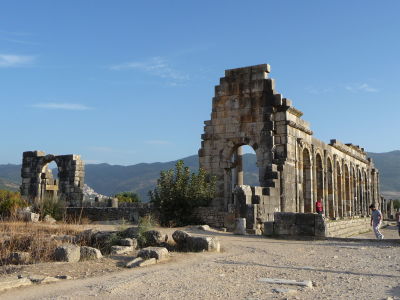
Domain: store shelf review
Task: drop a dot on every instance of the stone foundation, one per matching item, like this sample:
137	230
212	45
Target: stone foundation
307	224
210	216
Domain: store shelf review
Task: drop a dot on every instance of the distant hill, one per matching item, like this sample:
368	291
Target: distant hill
111	179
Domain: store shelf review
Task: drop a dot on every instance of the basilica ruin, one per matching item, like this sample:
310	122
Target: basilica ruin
38	182
295	168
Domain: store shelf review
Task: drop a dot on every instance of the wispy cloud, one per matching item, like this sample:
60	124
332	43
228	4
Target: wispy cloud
362	87
13	60
156	66
61	106
157	142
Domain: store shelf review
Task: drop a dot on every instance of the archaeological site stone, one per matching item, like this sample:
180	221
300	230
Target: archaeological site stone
159	253
19	258
295	168
203	243
128	242
38	182
118	250
89	253
154	238
68	253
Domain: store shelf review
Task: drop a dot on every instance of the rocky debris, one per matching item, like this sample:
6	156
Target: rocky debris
180	237
68	253
140	262
49	219
240	226
9	283
203	243
131	232
128	242
284	291
204	227
89	253
103	240
118	250
31	217
305	283
154	238
65	238
19	258
159	253
64	277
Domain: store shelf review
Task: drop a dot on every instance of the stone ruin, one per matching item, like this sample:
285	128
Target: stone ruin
295	168
38	182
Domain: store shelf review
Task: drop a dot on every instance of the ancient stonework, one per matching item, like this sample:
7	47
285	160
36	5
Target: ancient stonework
38	183
295	168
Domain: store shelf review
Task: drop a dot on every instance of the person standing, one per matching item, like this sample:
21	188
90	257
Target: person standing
376	221
318	207
398	219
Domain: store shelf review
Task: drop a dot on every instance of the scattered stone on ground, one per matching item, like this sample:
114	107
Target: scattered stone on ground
49	219
154	238
42	279
68	253
10	283
141	262
118	250
159	253
131	232
204	227
203	243
128	242
90	253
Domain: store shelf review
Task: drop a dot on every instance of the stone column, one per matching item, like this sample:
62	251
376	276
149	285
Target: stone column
238	157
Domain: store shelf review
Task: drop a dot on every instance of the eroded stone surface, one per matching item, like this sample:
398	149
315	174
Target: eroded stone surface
68	253
159	253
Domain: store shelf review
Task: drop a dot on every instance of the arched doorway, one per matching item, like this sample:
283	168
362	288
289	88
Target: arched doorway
329	174
49	182
307	190
339	191
320	178
346	202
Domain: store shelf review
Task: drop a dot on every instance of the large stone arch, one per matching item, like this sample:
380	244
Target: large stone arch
70	172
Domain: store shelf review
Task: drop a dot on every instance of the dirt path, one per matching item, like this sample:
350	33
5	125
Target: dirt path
341	270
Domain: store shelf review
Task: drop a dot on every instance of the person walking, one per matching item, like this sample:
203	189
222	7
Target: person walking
376	221
318	207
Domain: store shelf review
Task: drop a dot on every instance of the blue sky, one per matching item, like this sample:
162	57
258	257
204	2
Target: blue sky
125	82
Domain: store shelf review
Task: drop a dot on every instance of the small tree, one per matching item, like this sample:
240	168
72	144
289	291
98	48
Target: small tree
178	192
127	197
10	202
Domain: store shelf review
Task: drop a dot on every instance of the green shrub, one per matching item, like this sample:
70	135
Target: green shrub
146	223
178	192
130	197
10	202
52	207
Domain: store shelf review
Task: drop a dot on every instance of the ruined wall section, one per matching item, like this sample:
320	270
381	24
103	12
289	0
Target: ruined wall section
242	114
70	171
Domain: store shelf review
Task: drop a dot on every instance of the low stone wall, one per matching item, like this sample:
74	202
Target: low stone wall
347	228
302	224
129	214
210	216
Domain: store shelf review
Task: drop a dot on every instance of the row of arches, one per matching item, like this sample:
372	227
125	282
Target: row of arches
346	189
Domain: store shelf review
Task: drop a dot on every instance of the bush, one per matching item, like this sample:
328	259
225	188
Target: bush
52	207
178	192
146	223
10	202
128	197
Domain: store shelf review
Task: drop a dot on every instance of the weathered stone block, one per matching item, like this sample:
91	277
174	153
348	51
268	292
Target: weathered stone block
89	253
202	243
68	253
268	228
159	253
305	219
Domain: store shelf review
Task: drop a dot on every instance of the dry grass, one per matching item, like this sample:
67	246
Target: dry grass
37	239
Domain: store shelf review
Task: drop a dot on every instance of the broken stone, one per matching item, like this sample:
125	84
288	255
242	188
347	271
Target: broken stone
180	236
159	253
154	238
68	253
42	279
19	258
128	242
204	227
284	291
202	243
305	283
89	253
140	262
49	219
240	226
131	232
64	277
118	250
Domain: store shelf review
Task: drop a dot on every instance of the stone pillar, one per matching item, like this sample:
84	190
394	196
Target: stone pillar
240	226
238	157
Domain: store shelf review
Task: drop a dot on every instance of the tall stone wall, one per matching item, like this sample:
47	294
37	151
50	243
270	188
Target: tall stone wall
295	168
71	173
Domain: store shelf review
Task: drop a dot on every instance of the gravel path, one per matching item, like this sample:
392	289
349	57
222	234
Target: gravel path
339	270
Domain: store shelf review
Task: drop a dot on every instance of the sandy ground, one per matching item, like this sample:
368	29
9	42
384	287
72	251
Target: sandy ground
361	269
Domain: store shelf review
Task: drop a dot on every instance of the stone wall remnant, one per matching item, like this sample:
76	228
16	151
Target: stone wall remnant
295	168
38	183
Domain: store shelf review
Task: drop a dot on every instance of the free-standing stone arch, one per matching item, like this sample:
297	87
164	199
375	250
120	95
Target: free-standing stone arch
70	172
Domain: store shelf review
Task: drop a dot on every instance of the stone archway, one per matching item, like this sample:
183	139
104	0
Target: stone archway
70	172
